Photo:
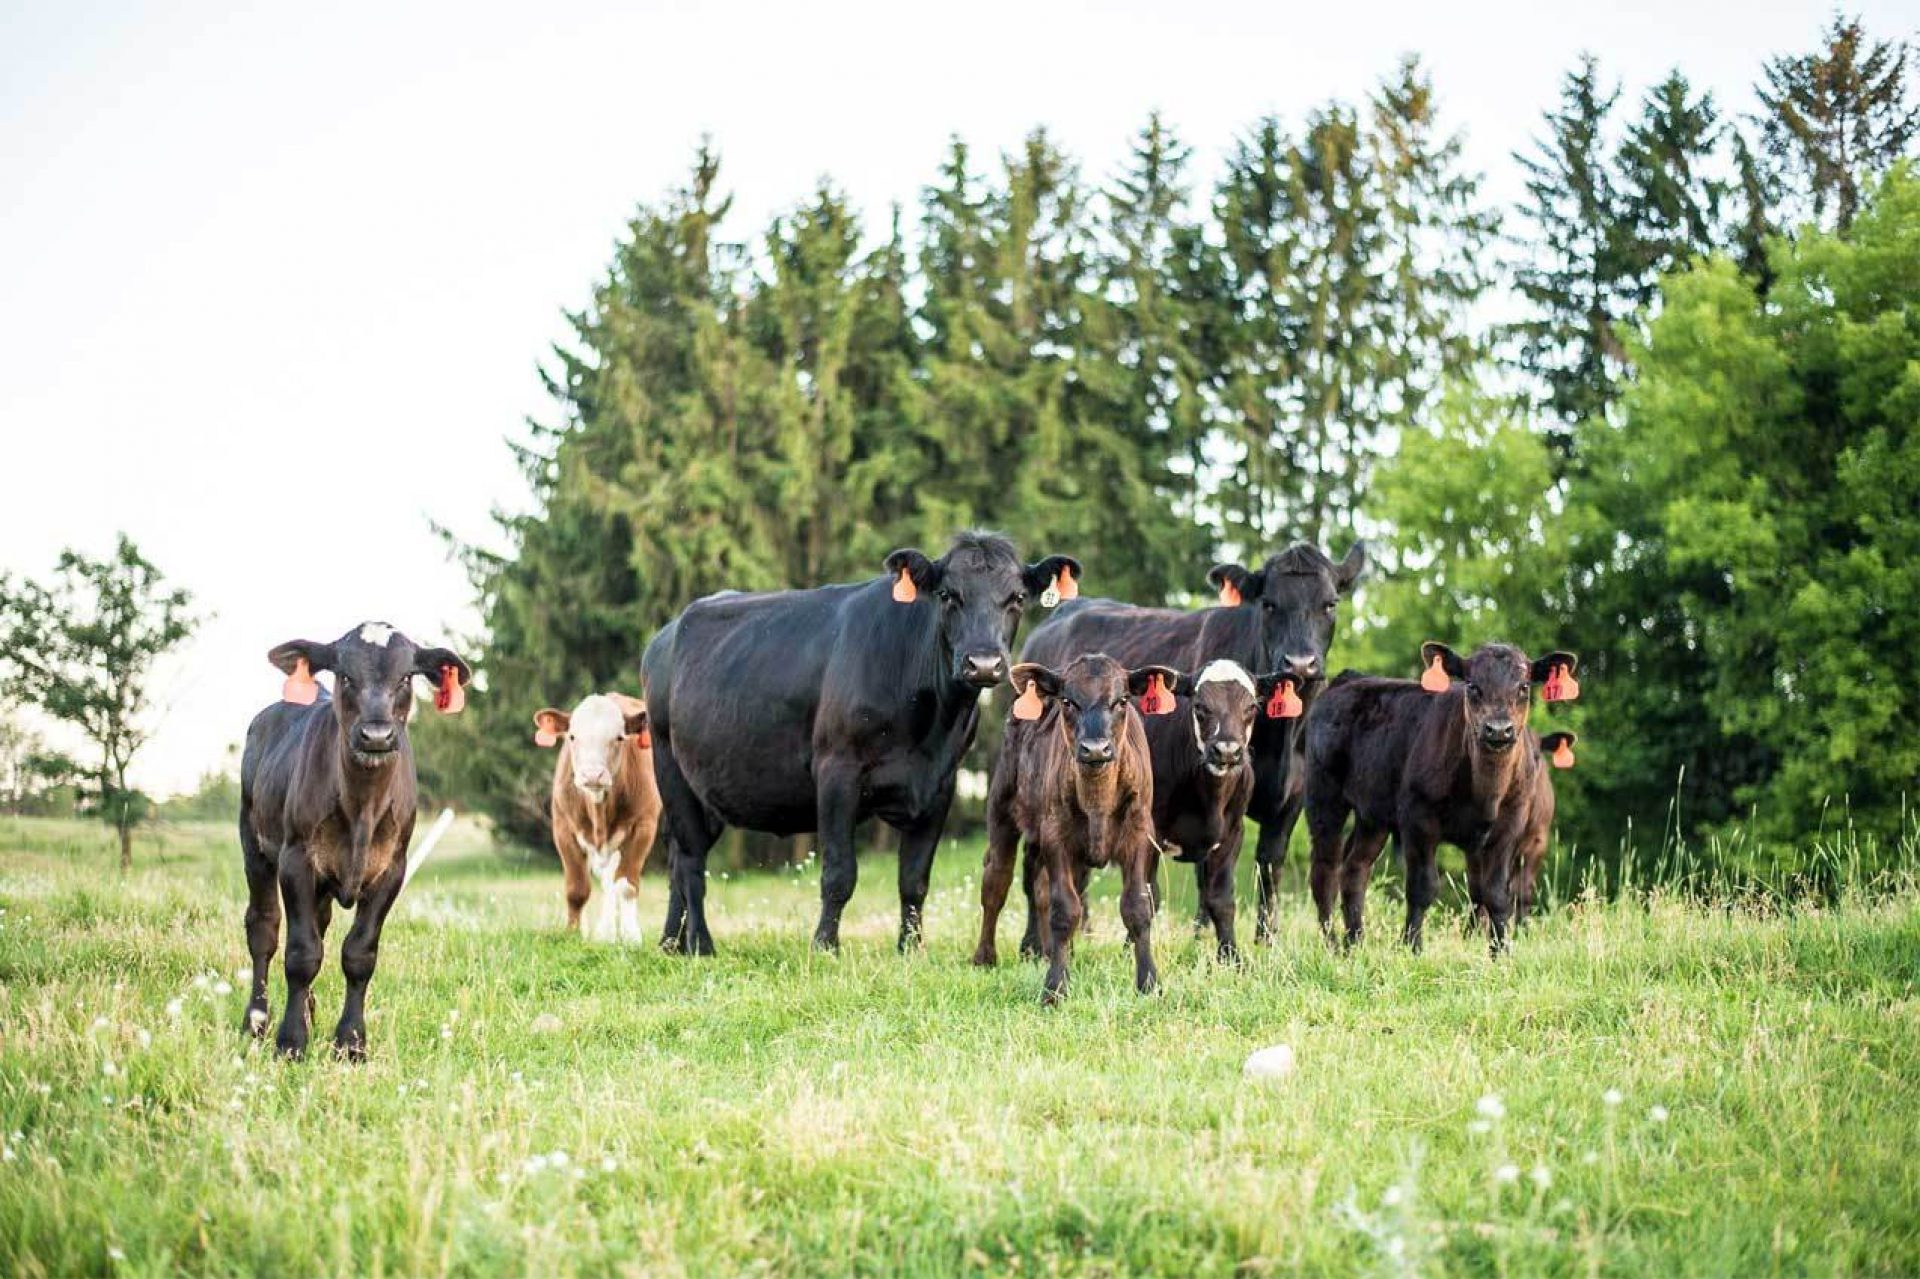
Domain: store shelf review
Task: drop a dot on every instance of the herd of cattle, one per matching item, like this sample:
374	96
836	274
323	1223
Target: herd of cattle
1136	733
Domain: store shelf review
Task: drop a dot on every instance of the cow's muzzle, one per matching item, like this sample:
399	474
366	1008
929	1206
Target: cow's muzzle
1093	752
374	743
1499	737
983	670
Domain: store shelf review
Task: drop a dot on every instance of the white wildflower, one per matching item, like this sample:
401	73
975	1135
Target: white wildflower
1492	1107
108	1069
1613	1096
1390	1198
1479	1127
1506	1174
1658	1114
608	1164
174	1006
223	988
1542	1176
558	1159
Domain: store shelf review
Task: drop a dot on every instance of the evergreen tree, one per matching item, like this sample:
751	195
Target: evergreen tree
1579	267
1671	194
1836	117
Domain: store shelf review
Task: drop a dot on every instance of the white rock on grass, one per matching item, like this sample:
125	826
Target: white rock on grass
1270	1063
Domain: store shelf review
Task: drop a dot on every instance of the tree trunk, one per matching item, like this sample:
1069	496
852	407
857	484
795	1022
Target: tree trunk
126	842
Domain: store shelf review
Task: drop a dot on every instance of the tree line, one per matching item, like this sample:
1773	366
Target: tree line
1661	413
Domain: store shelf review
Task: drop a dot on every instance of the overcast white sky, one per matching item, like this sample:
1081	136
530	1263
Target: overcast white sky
274	284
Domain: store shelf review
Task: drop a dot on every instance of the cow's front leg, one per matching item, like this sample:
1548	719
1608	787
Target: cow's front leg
1270	857
299	900
360	952
577	883
1063	918
1216	898
918	843
838	798
1138	865
604	862
1419	840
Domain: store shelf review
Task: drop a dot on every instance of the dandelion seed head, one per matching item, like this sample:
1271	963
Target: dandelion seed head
1506	1174
1658	1114
1542	1176
1492	1107
1612	1096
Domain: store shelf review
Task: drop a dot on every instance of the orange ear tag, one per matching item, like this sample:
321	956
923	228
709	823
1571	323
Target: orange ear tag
1561	686
903	592
1156	700
1285	703
1229	595
545	737
1028	705
1434	678
1563	754
449	698
644	739
300	687
1067	584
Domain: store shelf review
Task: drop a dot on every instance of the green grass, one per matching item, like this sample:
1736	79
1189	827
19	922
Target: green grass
774	1111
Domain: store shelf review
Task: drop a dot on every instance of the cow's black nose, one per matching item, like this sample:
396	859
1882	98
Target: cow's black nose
1303	666
378	737
1096	750
1499	733
984	670
1226	752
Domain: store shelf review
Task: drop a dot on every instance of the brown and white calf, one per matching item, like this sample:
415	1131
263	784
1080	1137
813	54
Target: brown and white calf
1074	779
606	807
327	802
1423	761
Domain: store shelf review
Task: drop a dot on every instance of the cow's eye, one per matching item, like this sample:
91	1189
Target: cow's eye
1017	601
1330	607
1473	689
945	596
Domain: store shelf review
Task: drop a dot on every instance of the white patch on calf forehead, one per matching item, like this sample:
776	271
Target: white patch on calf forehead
597	718
1221	671
376	634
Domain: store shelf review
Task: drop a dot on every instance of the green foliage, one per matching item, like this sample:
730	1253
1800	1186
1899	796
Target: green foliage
82	650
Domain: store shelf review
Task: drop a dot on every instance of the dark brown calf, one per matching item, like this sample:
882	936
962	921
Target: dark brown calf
1077	750
1425	761
1557	749
327	802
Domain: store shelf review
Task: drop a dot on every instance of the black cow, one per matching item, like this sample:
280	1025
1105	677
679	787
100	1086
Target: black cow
1423	761
811	710
1278	621
327	802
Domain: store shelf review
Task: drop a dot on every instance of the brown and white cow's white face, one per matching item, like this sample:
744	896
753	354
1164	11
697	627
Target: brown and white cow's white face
596	733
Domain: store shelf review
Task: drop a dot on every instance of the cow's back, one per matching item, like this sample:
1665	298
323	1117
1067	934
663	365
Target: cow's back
1362	737
1134	636
277	745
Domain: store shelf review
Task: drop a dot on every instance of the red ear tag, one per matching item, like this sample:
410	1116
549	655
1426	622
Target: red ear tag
541	736
1229	595
448	697
1028	705
1561	686
1434	678
1563	754
300	687
1285	703
1156	700
645	738
903	592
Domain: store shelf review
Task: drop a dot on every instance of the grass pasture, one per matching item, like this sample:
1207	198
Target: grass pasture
1645	1088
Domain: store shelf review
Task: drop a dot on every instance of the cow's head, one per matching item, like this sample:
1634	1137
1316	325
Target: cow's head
373	670
596	733
1224	701
1092	694
1297	597
1499	681
980	588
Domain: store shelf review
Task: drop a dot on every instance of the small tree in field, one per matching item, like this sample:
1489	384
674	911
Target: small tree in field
82	649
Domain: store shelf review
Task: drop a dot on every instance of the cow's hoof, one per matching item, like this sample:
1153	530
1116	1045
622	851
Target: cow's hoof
985	957
256	1021
1051	998
352	1048
1231	956
826	945
288	1048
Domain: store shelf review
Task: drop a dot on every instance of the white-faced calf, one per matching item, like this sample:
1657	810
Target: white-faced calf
1425	761
327	803
605	807
1075	780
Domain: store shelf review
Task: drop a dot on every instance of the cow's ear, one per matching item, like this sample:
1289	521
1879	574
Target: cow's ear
1440	664
1184	684
1348	571
912	573
633	712
1551	742
1061	572
287	657
1542	667
549	726
1279	695
1235	584
432	662
1152	688
1036	684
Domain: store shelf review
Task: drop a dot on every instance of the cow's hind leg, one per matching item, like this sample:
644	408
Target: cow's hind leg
691	831
1326	823
263	921
1363	849
996	870
360	952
